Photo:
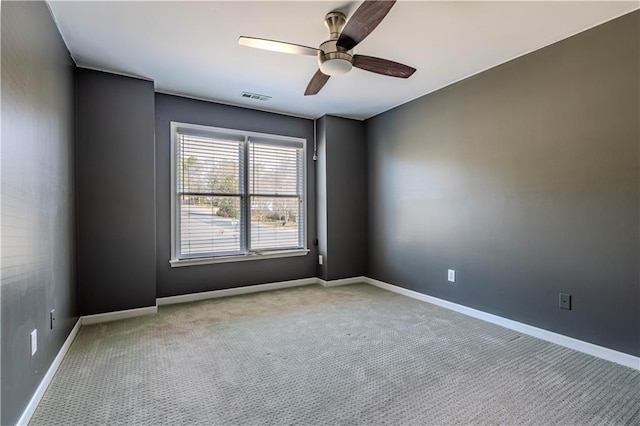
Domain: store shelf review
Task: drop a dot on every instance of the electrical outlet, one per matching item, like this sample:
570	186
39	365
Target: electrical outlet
52	318
319	259
451	276
34	342
564	301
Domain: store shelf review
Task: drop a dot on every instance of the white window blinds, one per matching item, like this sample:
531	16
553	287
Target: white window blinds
236	194
276	189
210	195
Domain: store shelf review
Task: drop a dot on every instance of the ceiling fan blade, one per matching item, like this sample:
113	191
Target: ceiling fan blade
382	66
363	21
317	82
277	46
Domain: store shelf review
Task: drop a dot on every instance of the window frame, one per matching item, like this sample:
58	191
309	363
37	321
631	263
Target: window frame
208	131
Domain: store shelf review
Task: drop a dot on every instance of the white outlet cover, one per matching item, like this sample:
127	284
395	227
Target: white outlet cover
451	276
320	259
34	342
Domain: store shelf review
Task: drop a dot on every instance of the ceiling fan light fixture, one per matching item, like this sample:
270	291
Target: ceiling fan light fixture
336	66
332	61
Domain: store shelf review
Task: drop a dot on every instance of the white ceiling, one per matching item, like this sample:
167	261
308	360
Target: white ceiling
191	49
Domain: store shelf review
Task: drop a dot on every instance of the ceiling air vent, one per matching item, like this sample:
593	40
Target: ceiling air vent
255	96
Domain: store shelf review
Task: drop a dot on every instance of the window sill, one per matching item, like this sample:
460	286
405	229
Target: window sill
176	263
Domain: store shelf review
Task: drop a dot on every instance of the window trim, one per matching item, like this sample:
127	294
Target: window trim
175	261
274	254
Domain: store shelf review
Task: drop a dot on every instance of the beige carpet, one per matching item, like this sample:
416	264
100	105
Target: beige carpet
342	355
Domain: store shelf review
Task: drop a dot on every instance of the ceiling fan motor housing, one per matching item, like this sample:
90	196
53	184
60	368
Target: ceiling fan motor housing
333	59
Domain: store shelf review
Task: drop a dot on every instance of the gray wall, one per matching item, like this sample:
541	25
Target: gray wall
525	179
115	183
37	199
192	279
321	196
342	195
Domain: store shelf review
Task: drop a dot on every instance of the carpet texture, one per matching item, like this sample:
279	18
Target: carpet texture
343	355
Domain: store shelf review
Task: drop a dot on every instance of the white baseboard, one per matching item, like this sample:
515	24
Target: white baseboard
192	297
559	339
214	294
25	418
342	281
117	315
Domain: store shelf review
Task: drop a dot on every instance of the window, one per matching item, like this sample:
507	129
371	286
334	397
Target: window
236	195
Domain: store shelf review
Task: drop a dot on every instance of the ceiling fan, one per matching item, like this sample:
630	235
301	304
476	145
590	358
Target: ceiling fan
335	56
